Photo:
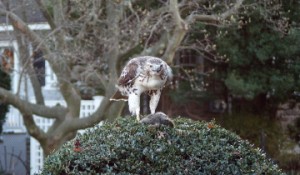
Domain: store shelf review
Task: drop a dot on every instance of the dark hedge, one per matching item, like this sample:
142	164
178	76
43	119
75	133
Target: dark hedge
128	147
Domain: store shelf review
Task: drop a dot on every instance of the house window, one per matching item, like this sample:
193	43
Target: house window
190	59
7	59
39	66
191	69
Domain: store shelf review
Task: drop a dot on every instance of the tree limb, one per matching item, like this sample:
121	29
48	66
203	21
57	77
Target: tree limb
114	13
24	56
232	10
181	28
58	64
19	24
92	120
214	18
46	14
33	129
85	122
159	45
28	108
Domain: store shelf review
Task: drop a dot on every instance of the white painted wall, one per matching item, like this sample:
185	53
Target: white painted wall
14	121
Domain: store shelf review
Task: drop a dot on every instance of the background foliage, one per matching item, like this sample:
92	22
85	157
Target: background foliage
263	64
4	83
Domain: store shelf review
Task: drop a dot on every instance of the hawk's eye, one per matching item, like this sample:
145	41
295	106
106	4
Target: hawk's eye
150	65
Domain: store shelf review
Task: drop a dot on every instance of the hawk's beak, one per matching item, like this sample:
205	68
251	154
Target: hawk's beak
159	68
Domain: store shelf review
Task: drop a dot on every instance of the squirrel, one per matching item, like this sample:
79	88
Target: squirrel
157	119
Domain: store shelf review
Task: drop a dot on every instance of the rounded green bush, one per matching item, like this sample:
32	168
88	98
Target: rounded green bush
129	147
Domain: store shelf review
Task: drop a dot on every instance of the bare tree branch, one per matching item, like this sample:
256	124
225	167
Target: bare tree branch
232	10
158	46
19	24
24	57
90	121
212	19
26	107
58	64
181	28
33	129
114	13
46	14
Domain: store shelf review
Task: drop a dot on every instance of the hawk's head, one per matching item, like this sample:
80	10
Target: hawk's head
154	68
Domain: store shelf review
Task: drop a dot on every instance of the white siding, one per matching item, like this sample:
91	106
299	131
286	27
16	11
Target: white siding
14	121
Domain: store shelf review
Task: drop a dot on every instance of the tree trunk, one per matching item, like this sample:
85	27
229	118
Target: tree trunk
53	143
229	104
114	110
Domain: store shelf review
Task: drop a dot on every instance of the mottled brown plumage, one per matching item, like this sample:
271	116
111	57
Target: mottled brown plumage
142	75
130	76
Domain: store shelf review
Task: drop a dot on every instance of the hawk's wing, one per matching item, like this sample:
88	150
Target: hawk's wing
129	74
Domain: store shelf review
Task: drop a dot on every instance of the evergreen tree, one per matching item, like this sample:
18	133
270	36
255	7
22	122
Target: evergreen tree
4	83
263	64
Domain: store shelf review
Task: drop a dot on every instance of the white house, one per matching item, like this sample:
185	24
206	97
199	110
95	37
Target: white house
21	84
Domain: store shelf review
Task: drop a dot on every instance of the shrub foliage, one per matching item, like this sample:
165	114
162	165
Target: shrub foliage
4	83
128	147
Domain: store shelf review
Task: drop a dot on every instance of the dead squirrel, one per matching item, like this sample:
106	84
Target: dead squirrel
158	118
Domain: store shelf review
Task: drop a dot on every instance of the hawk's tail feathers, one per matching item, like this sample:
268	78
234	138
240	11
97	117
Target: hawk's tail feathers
118	97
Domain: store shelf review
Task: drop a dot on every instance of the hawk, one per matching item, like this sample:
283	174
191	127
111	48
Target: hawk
144	74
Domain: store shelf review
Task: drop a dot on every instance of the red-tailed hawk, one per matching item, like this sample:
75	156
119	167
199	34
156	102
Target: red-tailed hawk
142	74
